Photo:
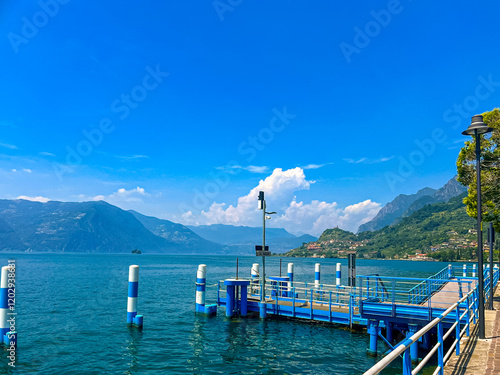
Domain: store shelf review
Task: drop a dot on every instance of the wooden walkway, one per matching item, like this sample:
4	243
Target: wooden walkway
450	294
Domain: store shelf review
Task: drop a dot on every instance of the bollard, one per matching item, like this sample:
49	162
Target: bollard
339	275
133	291
201	277
465	270
254	276
473	270
4	298
373	330
450	272
290	277
317	274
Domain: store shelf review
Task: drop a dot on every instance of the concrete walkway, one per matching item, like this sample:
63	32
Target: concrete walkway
479	357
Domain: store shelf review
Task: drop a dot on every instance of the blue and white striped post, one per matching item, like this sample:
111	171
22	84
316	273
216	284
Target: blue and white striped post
254	277
338	275
474	270
4	299
290	278
317	275
201	279
465	270
133	290
450	271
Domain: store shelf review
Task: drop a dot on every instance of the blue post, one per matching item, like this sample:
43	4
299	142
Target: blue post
317	275
262	310
474	270
244	302
230	300
338	274
465	270
201	277
412	329
133	291
450	272
388	331
373	331
407	362
441	347
457	331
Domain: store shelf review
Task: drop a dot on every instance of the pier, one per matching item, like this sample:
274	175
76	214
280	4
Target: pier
416	319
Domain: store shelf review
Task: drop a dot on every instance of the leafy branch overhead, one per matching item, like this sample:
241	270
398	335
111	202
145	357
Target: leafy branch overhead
490	171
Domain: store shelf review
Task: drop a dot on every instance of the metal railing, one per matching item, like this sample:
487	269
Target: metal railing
460	312
463	312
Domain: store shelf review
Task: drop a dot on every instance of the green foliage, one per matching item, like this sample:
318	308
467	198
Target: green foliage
430	227
490	171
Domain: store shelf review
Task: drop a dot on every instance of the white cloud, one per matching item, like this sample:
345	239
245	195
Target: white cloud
365	160
119	197
250	168
44	153
6	145
27	170
280	188
34	199
314	166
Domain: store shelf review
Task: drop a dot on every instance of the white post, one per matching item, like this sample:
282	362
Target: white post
317	274
133	291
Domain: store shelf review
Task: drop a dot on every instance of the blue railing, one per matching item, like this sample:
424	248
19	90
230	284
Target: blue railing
423	290
463	312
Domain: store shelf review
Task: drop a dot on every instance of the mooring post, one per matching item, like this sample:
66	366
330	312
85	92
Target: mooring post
317	275
474	270
230	300
373	331
244	301
4	299
465	270
133	291
201	280
450	272
388	331
290	277
339	274
254	276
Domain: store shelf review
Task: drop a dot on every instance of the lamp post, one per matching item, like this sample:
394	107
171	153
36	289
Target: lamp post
476	128
262	206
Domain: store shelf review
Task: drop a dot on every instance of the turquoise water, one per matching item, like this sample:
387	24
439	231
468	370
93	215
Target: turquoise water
72	319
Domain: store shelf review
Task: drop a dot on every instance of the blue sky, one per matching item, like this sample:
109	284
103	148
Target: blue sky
182	109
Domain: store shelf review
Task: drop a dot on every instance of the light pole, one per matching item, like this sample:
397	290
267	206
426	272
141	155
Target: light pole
262	206
476	128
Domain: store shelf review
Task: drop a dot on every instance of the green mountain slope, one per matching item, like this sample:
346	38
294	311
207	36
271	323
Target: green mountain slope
441	230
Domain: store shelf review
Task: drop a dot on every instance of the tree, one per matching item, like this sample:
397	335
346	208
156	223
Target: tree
490	171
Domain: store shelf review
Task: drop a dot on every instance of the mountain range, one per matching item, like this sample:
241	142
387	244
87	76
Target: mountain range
103	228
245	238
404	205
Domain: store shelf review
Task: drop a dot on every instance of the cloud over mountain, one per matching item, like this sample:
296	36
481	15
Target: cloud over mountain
280	188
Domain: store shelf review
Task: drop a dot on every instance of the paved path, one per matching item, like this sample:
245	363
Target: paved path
480	357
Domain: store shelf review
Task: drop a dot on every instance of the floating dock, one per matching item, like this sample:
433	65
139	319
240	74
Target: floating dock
418	310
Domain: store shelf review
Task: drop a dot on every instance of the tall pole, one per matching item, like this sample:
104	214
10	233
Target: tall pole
479	237
490	242
263	294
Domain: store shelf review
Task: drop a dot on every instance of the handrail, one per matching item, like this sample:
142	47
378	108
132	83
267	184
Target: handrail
469	313
404	345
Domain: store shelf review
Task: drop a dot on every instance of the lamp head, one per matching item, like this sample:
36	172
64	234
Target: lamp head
477	125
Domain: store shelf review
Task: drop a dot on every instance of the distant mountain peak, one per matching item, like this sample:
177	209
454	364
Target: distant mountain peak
404	205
